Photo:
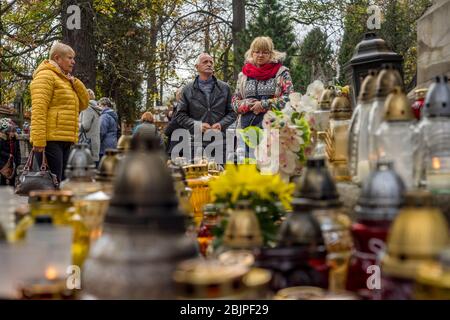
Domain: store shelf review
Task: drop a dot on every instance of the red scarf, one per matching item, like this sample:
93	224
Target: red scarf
265	72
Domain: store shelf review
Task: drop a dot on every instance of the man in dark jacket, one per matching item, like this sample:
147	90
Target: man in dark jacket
206	103
109	122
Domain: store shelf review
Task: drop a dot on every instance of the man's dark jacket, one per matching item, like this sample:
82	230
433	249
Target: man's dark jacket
194	106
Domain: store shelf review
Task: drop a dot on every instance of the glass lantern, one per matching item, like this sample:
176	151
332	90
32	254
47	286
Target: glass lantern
318	187
197	179
432	157
322	114
381	199
337	137
320	149
417	236
106	172
387	80
80	172
205	234
59	205
243	230
359	134
395	139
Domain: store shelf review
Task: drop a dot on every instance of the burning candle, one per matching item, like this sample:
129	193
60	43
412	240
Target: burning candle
50	287
363	170
51	273
438	176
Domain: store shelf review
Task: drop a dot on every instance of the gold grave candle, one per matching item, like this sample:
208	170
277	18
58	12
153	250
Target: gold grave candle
337	137
197	179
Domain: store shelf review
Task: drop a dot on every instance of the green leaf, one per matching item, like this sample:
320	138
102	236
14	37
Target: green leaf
250	134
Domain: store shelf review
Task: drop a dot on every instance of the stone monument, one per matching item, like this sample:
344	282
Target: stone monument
433	43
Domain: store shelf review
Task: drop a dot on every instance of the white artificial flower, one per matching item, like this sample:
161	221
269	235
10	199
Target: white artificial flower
308	104
295	100
315	89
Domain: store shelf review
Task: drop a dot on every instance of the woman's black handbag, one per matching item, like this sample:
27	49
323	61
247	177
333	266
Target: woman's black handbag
30	180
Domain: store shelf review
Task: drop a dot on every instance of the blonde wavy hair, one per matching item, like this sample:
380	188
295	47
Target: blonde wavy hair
264	44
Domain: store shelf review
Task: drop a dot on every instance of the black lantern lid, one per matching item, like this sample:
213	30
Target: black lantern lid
381	195
317	185
373	48
284	258
144	194
301	229
80	163
437	102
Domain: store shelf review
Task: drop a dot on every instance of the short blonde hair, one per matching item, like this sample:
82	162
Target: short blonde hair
264	44
147	116
61	49
91	94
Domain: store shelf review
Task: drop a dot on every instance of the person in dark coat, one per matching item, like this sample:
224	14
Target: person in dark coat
206	103
147	128
109	123
9	148
89	122
173	124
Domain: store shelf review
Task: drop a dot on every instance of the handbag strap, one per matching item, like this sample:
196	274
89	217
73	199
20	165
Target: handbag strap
29	163
44	165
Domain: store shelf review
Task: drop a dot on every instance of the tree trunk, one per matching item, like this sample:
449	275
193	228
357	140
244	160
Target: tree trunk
237	26
162	75
81	40
225	64
207	39
152	87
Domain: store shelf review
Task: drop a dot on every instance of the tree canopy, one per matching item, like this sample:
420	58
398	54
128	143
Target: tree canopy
139	52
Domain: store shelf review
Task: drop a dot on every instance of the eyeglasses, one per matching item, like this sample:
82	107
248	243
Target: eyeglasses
261	53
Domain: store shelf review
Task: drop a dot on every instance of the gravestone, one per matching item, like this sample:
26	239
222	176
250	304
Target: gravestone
433	41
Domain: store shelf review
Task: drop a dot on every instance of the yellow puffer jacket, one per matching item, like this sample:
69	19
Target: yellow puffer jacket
55	105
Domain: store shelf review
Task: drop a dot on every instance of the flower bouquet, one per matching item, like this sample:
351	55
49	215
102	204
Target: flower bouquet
269	197
291	130
308	104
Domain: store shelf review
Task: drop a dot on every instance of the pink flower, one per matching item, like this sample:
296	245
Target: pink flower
287	162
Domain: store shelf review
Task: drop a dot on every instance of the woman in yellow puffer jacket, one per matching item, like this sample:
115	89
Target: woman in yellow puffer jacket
56	100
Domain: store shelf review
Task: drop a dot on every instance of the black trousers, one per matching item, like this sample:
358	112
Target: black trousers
57	153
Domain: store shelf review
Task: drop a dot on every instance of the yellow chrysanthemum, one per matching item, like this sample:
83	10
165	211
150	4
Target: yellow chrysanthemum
240	181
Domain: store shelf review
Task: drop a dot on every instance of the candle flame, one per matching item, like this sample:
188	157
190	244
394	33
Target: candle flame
51	273
436	163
